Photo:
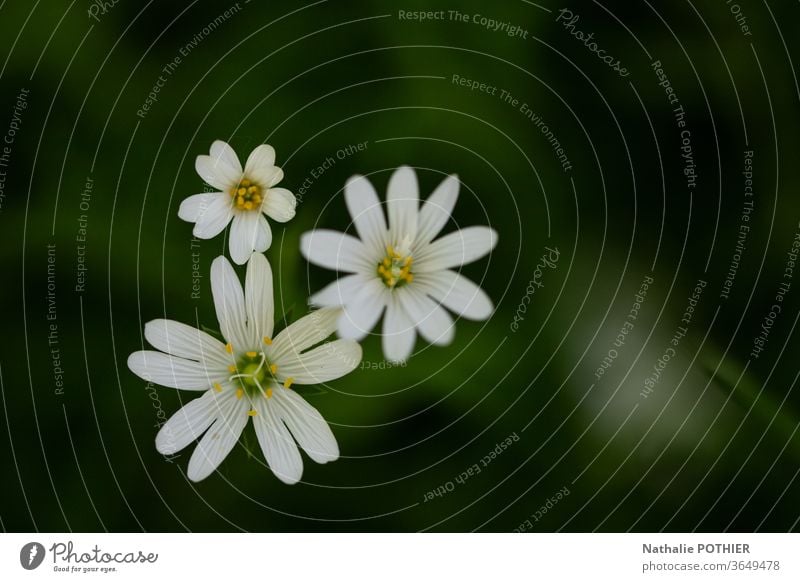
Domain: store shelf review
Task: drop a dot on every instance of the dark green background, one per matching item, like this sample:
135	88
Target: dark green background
714	447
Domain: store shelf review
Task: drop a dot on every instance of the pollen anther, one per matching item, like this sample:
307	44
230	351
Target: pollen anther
246	195
395	269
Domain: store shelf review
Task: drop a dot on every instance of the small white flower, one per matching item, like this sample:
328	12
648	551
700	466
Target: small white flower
401	269
244	196
249	377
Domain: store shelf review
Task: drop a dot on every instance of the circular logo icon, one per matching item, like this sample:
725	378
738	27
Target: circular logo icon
31	555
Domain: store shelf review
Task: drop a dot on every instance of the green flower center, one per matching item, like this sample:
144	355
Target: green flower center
253	374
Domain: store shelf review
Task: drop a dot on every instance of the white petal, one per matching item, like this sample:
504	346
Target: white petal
277	444
195	205
455	249
436	210
363	312
279	204
432	321
365	210
339	292
229	303
185	341
264	240
398	333
305	332
266	176
457	293
244	236
336	250
307	426
217	171
190	422
402	200
175	372
262	156
215	217
221	151
324	363
219	440
258	297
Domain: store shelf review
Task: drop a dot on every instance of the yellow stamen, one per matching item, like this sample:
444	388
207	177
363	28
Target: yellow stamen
217	387
267	341
288	382
231	368
395	268
273	368
252	412
247	195
251	354
229	348
269	393
239	393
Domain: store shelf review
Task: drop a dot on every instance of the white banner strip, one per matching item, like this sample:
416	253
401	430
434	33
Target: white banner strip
400	557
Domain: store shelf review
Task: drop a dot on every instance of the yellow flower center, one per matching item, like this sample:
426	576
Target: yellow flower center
395	268
247	195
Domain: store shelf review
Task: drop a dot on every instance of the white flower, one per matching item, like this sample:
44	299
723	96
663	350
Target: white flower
401	268
249	377
244	194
